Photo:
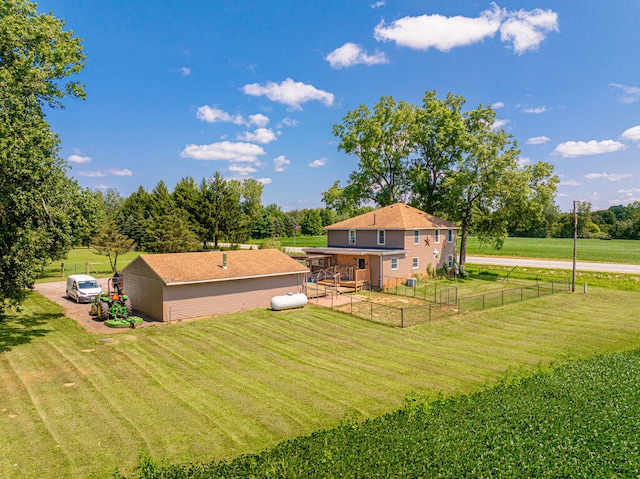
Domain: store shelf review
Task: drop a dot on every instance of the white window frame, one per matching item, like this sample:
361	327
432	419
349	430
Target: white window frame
415	263
450	236
416	237
450	261
436	236
394	260
352	237
384	237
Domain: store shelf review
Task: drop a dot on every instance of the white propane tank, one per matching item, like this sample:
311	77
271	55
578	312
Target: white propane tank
288	301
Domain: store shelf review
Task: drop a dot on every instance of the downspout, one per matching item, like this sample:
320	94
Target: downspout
380	285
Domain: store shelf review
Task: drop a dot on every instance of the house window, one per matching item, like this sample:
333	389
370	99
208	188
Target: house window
394	263
380	237
436	236
317	262
352	236
416	264
450	236
450	261
416	237
362	264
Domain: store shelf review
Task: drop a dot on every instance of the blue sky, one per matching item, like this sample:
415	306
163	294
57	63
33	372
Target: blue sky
252	89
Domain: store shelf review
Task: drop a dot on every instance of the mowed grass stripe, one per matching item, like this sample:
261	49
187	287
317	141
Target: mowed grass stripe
218	387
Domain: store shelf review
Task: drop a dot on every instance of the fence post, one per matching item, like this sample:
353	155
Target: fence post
62	270
429	312
86	266
351	304
402	318
538	291
371	303
483	301
502	297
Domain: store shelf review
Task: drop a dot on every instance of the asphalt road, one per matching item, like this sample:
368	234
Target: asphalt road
554	264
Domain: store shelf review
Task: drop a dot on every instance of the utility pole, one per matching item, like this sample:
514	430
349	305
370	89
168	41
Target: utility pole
575	246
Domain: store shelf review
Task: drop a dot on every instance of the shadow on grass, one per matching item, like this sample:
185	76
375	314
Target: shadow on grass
22	329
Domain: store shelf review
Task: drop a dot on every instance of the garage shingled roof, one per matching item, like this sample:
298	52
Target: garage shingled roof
180	268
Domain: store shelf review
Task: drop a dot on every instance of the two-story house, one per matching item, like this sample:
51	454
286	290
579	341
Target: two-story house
395	241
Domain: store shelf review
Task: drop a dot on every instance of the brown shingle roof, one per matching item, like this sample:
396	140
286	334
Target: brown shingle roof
208	266
393	217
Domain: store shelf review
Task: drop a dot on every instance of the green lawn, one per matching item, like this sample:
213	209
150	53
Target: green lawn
72	405
600	251
76	263
300	241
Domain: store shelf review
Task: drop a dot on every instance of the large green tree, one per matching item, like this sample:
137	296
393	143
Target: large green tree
446	161
40	207
382	141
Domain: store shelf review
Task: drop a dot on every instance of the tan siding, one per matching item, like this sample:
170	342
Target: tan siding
339	238
205	299
144	288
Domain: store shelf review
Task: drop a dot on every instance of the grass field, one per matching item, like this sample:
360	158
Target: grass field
300	241
600	251
577	420
76	263
72	405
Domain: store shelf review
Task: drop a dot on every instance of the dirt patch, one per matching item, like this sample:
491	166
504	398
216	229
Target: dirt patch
56	292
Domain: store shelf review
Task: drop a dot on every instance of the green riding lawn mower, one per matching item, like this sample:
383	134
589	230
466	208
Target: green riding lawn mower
114	307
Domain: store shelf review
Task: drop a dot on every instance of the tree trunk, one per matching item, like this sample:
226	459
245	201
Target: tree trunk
464	232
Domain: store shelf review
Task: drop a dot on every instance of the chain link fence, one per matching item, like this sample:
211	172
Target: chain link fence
441	301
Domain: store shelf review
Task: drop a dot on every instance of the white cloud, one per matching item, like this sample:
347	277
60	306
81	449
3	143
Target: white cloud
537	110
289	122
264	181
538	140
526	30
77	158
608	176
630	192
627	94
224	150
122	172
632	134
439	32
259	120
497	124
379	4
280	162
523	161
289	93
242	170
351	54
497	105
185	71
261	135
215	115
569	183
571	149
318	163
92	174
103	173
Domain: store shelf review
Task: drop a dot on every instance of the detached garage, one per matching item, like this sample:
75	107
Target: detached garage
171	287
